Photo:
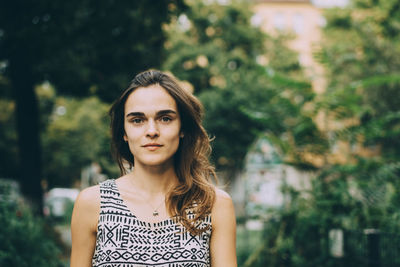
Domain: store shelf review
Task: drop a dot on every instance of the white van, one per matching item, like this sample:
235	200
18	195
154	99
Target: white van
58	200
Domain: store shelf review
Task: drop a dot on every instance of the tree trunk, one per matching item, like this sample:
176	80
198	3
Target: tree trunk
27	121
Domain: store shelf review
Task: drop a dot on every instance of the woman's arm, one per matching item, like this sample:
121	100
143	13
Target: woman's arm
223	237
84	226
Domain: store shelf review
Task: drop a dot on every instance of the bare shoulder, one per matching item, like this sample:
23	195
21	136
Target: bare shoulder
87	207
89	197
223	237
84	226
222	198
221	193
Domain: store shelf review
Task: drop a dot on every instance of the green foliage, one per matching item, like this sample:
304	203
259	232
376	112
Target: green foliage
221	54
70	141
247	241
364	79
84	48
349	197
77	135
8	137
364	51
26	240
361	190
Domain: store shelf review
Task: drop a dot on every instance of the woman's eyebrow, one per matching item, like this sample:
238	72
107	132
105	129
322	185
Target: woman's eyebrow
135	114
166	112
159	113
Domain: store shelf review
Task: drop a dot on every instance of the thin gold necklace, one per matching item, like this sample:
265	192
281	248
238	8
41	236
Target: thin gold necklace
155	210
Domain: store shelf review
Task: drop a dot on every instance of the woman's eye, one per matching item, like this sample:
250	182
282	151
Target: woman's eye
137	120
165	119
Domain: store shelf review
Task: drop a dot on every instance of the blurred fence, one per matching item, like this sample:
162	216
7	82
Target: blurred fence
371	248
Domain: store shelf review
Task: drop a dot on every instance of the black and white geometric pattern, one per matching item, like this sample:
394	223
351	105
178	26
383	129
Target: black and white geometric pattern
123	240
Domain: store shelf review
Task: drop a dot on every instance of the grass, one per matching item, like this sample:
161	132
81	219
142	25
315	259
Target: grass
247	241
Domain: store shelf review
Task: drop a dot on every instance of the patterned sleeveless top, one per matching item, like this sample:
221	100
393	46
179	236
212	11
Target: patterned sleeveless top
124	240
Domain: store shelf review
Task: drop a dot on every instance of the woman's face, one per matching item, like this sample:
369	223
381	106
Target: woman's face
152	126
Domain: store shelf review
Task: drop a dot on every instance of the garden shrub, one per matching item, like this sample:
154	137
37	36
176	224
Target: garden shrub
25	240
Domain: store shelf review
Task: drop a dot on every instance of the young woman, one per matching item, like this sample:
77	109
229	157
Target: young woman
165	211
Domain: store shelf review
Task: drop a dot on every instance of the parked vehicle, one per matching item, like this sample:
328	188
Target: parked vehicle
58	202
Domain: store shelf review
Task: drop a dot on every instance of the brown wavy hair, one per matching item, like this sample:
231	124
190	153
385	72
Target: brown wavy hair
194	171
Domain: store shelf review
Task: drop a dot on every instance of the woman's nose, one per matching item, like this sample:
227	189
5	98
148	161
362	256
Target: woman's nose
152	129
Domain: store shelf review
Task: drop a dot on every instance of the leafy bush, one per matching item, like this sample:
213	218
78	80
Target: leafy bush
25	241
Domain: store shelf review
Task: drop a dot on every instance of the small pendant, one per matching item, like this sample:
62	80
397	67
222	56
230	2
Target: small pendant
155	213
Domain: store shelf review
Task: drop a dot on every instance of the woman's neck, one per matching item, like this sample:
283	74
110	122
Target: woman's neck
153	180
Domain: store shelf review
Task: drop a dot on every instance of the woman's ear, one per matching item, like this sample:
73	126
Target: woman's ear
125	138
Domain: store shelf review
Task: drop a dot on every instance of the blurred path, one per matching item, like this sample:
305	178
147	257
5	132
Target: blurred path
65	235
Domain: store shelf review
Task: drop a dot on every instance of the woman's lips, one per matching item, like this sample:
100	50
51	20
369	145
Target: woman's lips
152	146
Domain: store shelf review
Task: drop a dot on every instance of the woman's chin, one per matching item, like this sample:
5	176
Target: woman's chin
155	162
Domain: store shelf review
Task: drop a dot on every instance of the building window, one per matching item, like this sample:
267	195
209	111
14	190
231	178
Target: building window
279	21
298	23
257	20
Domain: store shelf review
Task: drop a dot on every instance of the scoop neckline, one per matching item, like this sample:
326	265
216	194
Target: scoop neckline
131	213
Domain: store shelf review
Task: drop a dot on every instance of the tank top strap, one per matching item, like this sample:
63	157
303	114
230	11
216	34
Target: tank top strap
110	198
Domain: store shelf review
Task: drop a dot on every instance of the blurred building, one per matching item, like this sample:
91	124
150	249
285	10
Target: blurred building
260	187
301	18
304	20
264	176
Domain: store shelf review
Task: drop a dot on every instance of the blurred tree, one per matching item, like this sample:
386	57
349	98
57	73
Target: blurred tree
83	48
363	97
26	239
360	56
248	82
77	134
8	137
